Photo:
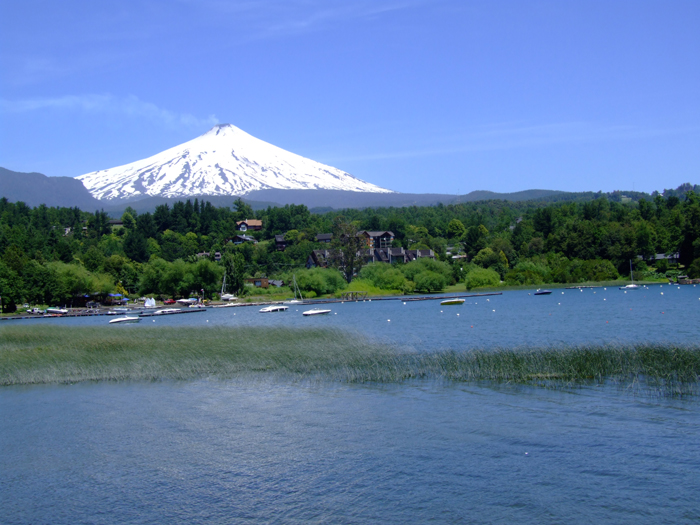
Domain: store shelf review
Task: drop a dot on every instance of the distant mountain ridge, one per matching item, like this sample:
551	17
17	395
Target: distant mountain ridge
223	161
35	189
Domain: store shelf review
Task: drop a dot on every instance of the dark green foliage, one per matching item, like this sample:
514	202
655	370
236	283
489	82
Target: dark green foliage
581	238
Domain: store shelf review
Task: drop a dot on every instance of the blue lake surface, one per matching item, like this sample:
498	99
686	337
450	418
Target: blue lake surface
264	450
516	318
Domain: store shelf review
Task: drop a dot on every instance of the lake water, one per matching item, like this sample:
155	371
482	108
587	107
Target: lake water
262	450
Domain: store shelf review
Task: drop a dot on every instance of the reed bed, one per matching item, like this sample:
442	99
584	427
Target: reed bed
43	354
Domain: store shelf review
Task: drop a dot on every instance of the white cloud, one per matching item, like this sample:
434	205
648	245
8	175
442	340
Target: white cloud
130	106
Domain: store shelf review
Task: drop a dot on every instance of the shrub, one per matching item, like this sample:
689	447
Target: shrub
480	277
429	281
694	269
383	276
412	269
320	280
527	272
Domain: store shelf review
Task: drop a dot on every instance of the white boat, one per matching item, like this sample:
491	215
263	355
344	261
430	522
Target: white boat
187	302
226	296
631	286
118	311
298	298
168	311
274	308
227	305
56	311
316	311
125	319
197	305
452	301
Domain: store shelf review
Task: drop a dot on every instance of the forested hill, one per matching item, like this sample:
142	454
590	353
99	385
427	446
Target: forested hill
48	255
35	189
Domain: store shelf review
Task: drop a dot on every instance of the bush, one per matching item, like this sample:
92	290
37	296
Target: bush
412	269
528	272
429	281
320	281
383	276
694	269
480	277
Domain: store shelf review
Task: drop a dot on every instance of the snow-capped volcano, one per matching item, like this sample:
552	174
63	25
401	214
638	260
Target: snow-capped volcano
223	161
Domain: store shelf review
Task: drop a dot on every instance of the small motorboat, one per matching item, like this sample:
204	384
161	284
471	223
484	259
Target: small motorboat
57	311
274	308
166	311
226	305
543	292
454	300
316	311
118	311
125	319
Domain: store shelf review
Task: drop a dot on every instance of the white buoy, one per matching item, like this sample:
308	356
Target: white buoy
388	320
494	310
458	314
404	303
154	320
661	293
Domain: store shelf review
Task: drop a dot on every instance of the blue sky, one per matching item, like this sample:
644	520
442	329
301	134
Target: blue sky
417	96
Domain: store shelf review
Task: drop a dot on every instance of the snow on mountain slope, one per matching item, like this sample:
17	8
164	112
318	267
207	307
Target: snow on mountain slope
223	161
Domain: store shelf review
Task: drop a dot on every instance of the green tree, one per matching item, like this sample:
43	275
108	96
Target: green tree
456	229
234	269
481	277
346	248
10	288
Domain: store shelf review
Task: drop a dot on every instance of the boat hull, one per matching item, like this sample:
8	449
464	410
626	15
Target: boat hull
316	311
274	308
125	320
449	302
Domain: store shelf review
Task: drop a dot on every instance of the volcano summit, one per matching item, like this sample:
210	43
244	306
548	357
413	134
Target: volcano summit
223	161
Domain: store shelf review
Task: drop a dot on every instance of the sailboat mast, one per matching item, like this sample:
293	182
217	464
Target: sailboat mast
631	272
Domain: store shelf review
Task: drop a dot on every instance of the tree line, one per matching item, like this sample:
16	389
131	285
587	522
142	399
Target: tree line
50	255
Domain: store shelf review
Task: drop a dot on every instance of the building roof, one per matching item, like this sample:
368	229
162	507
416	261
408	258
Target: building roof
250	222
279	238
324	237
376	233
244	238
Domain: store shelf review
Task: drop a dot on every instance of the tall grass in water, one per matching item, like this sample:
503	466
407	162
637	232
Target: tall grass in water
41	354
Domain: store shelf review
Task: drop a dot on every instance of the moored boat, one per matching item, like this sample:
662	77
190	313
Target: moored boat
126	319
454	300
543	292
274	308
56	311
316	311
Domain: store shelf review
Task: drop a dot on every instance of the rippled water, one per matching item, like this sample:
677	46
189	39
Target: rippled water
272	451
263	452
516	318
